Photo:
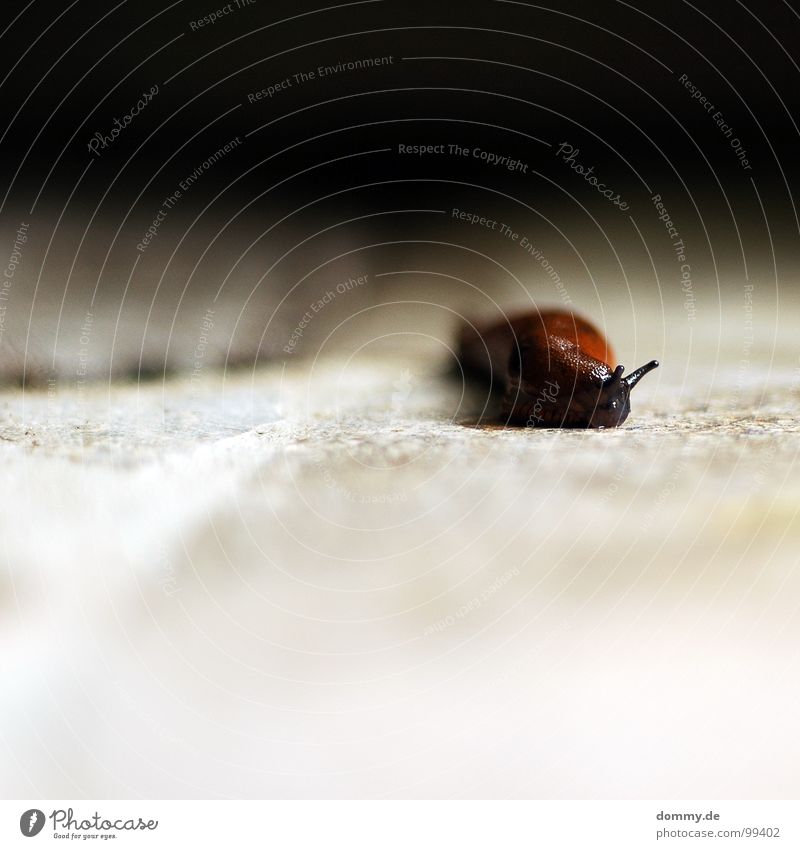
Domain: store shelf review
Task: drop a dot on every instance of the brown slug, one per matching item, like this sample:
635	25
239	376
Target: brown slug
552	367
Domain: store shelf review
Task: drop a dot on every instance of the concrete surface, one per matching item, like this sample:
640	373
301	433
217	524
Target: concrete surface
319	579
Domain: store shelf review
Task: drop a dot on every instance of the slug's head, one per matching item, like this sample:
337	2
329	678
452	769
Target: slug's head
613	404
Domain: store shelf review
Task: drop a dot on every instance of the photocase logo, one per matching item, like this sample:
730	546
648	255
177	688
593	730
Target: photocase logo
31	822
66	825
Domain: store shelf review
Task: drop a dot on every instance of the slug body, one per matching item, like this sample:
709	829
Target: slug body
553	370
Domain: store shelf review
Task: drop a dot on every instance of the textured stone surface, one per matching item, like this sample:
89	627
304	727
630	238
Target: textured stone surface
322	579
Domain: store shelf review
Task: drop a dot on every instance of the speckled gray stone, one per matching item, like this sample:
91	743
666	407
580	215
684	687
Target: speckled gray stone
321	579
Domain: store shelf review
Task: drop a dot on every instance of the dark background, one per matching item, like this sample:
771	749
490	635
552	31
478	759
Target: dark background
604	74
513	78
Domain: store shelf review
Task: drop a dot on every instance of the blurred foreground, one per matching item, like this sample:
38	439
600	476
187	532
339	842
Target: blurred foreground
317	580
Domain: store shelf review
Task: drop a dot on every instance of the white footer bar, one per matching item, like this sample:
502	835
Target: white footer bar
402	824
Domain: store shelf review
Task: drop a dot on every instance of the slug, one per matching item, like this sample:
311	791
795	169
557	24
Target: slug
552	367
